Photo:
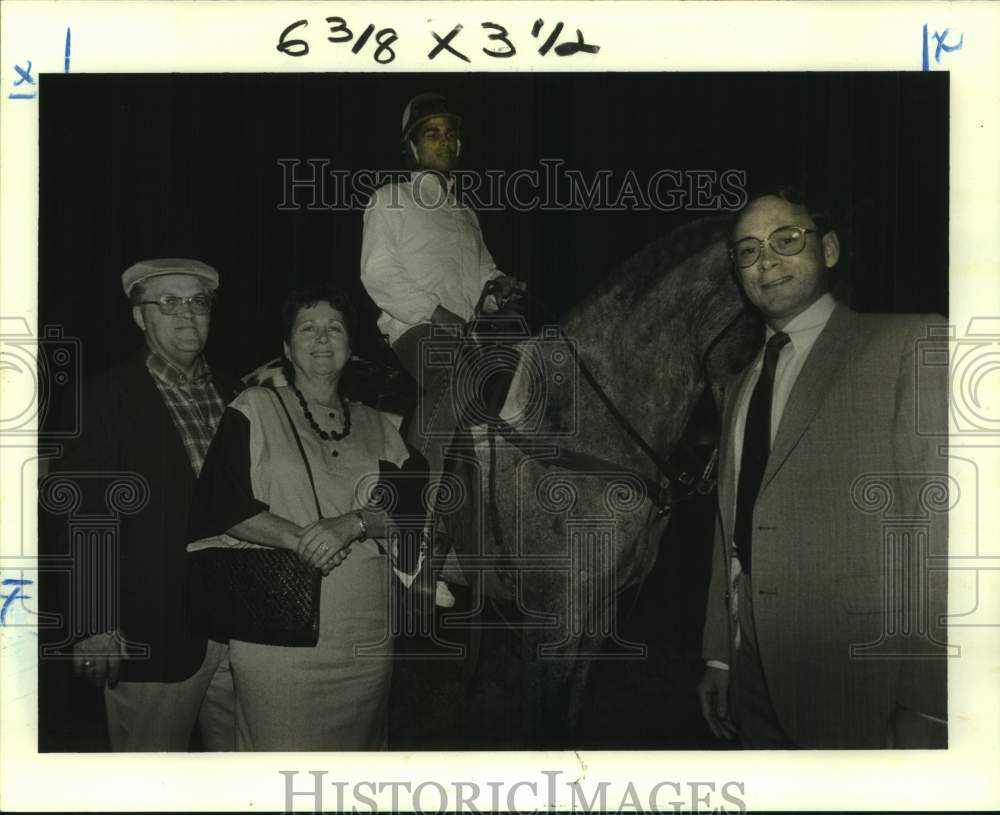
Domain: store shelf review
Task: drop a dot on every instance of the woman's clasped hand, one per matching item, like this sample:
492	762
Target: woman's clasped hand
326	543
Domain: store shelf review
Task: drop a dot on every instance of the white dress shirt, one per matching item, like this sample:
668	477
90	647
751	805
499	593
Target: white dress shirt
421	249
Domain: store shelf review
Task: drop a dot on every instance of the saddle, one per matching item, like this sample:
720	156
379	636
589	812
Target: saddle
489	357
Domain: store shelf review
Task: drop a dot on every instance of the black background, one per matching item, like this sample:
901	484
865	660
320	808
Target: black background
141	166
135	167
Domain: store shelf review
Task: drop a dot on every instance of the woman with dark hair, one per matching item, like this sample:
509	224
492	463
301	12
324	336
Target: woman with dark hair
255	487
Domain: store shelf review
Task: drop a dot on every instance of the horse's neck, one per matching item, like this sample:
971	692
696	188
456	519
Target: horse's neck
643	356
642	352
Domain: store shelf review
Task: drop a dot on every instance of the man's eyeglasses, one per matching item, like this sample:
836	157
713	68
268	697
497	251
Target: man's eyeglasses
171	304
785	240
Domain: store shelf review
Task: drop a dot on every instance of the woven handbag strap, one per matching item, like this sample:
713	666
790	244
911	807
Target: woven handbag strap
302	450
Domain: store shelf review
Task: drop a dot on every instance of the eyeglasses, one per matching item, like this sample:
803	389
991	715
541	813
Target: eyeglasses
170	304
785	240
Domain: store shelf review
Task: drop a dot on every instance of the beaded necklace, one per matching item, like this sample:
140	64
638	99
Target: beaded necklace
326	435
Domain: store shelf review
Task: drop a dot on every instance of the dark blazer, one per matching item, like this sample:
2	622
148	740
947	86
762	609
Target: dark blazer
857	443
126	427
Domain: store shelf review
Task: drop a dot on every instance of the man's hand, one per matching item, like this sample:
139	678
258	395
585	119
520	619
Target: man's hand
98	659
908	730
326	543
713	693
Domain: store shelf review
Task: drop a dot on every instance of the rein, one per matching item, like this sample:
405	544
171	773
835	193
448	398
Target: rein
693	484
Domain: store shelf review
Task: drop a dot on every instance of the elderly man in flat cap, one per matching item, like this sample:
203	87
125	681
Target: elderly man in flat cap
154	415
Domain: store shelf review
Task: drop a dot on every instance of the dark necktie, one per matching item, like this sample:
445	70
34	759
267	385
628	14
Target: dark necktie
756	449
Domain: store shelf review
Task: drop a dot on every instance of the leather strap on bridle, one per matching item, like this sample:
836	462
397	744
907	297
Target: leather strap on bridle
694	484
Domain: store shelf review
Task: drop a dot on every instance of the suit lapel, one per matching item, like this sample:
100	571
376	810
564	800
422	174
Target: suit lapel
828	355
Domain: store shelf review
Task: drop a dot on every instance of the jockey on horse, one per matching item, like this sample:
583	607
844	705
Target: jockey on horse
425	265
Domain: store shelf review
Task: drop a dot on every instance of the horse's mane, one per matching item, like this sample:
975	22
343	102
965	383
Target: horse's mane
641	271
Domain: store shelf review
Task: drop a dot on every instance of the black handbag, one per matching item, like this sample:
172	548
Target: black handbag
266	595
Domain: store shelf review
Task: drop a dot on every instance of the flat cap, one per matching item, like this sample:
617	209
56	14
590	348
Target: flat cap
145	269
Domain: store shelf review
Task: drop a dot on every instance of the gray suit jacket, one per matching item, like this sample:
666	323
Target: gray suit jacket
852	502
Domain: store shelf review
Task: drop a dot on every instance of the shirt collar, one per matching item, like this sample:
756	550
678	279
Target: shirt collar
432	176
804	328
171	376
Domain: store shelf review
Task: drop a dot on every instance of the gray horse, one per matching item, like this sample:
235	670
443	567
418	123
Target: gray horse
558	508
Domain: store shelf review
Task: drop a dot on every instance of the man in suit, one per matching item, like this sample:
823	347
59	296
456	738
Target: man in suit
813	637
154	416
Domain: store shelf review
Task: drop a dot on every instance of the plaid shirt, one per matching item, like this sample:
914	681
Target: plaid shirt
193	402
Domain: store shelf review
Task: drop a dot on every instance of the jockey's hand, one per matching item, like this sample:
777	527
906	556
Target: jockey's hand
499	290
713	693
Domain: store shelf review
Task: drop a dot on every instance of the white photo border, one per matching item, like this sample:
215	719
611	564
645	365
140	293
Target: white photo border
158	37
